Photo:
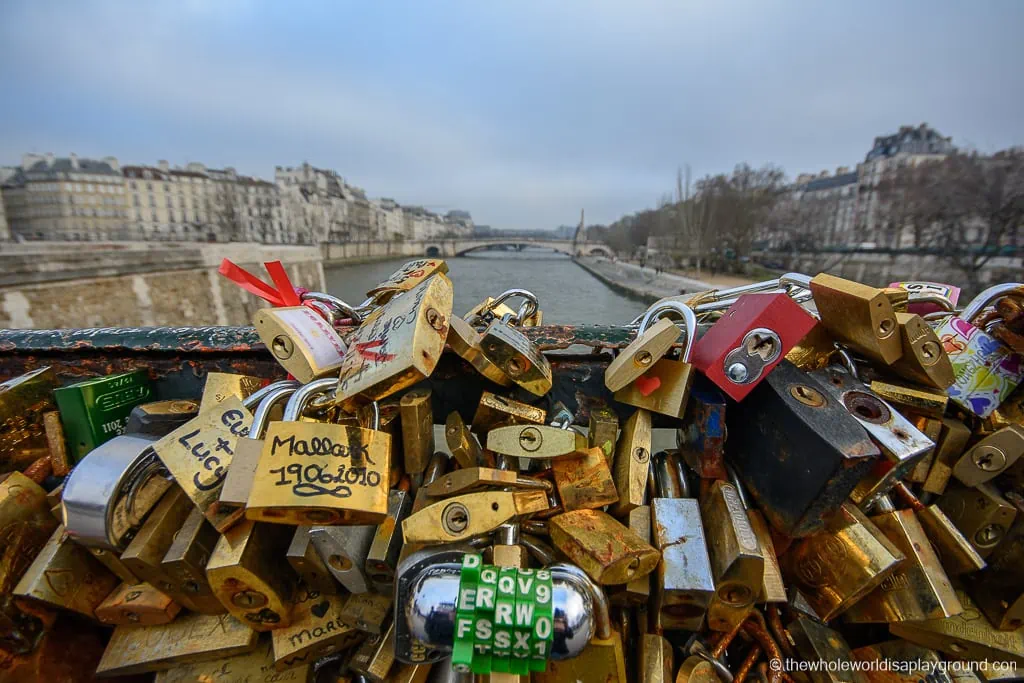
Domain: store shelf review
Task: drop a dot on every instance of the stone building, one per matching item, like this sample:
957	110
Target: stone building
172	204
66	198
829	201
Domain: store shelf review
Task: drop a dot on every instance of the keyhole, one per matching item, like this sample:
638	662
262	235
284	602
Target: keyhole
989	459
455	518
762	345
530	439
248	599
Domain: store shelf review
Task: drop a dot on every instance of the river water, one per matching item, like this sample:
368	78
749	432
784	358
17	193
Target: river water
568	294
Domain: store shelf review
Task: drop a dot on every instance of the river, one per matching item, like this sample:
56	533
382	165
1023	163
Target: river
568	294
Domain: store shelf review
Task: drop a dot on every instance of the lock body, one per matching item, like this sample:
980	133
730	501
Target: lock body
861	317
316	630
461	517
344	551
406	278
701	439
465	341
923	361
301	340
417	430
584	483
462	443
749	340
602	546
737	560
495	411
663	389
640	354
23	402
603	431
184	565
517	357
222	385
369	612
981	513
915	399
996	589
953	438
684	582
97	410
137	605
632	462
536	441
816	642
793	432
991	456
308	564
382	556
985	370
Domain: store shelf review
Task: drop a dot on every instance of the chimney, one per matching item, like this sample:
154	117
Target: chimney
112	163
163	165
74	160
49	158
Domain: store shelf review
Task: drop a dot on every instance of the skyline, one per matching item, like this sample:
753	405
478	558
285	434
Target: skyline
523	114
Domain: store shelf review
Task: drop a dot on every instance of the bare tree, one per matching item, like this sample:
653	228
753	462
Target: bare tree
228	213
695	218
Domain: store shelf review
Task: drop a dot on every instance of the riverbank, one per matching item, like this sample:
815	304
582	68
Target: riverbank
639	282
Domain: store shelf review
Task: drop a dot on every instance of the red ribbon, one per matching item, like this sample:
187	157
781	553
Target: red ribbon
283	295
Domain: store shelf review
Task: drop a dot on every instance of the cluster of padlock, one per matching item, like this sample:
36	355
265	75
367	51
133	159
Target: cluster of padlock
812	476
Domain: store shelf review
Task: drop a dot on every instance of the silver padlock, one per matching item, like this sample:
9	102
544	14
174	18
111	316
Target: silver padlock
344	550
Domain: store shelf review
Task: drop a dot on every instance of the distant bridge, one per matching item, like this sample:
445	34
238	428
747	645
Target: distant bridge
463	246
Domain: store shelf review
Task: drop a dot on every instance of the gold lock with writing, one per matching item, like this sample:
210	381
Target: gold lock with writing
137	605
409	276
316	630
223	385
301	340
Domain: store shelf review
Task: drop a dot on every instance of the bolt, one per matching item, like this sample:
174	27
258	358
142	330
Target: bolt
282	347
737	373
248	599
988	459
530	439
455	518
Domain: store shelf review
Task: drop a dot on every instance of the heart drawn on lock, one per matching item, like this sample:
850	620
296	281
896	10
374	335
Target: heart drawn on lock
320	609
647	385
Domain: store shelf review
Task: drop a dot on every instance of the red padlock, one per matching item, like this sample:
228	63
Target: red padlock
750	339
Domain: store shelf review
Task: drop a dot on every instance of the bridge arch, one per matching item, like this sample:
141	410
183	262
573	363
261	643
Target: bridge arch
597	250
468	249
432	251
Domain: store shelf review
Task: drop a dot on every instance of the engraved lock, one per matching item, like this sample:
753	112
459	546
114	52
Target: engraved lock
918	588
316	473
316	630
585	482
417	431
632	462
996	589
665	387
63	576
986	371
654	337
746	343
397	345
953	438
924	361
248	576
991	456
981	514
23	402
238	483
465	448
737	561
683	583
516	356
369	612
967	635
495	411
222	385
602	546
603	431
465	341
301	340
917	400
901	444
308	564
772	587
794	432
701	439
406	278
537	442
859	316
199	453
462	517
184	565
96	410
840	564
382	557
344	551
189	638
137	605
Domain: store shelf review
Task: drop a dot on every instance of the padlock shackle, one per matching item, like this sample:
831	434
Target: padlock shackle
682	310
255	398
741	492
666	482
983	300
541	551
337	304
436	467
302	396
324	310
602	613
261	416
531	302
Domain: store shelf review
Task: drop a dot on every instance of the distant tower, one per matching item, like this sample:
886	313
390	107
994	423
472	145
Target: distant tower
581	233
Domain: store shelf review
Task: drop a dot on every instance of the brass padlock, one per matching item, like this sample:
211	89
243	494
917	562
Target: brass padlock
462	517
184	565
632	462
665	387
317	473
417	432
953	438
931	428
308	564
918	400
368	612
816	643
238	483
605	549
397	345
198	454
585	482
257	665
23	401
64	576
996	589
222	385
603	431
375	657
684	583
924	360
955	552
918	588
991	456
137	605
465	341
772	587
536	442
465	448
344	550
316	630
839	565
382	557
248	576
516	356
861	317
406	278
654	337
189	638
737	561
637	591
494	308
495	411
301	340
980	513
472	479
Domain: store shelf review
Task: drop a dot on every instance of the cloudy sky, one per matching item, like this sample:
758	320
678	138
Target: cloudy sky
521	111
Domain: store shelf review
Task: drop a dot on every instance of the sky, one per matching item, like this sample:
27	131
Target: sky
522	112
